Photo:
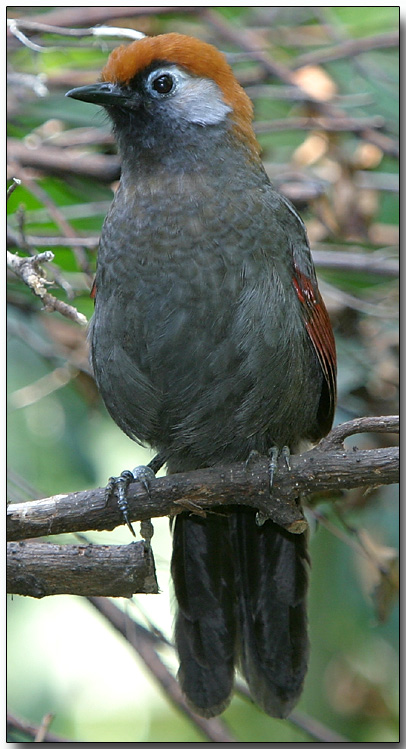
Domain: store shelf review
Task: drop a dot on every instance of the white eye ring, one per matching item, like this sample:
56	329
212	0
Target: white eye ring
162	82
190	98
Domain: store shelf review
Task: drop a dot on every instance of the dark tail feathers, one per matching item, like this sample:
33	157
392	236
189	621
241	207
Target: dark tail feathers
241	593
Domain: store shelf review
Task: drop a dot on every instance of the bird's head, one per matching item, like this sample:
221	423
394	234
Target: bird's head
171	85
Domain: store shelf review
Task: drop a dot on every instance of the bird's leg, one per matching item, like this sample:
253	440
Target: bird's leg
117	486
274	454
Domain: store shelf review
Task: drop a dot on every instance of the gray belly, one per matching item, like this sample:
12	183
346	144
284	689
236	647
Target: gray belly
204	369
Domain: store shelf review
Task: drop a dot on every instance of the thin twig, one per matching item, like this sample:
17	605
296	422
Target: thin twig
79	210
61	221
21	487
140	639
328	124
38	241
319	517
43	728
77	15
365	262
348	48
80	136
30	729
384	310
310	726
16	182
16	31
377	181
43	386
29	270
249	42
18	239
16	24
27	266
76	359
315	728
270	91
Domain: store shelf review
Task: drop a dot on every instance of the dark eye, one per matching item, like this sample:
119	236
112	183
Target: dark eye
163	84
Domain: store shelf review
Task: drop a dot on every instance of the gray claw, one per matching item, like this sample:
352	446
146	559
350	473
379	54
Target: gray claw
253	458
285	454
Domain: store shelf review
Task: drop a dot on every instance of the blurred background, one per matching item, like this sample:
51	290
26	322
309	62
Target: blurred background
324	81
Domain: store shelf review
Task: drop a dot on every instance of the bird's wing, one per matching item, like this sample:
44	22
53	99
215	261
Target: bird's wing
320	332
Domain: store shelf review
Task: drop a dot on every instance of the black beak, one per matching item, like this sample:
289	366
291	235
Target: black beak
104	94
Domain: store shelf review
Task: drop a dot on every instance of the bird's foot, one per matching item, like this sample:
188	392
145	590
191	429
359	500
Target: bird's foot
275	453
117	487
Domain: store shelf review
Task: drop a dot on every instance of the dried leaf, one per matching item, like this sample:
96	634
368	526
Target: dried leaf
316	82
380	573
311	150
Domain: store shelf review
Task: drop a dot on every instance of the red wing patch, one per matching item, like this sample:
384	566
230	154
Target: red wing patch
319	329
93	290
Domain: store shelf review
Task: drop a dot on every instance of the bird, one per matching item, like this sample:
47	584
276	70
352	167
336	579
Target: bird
210	342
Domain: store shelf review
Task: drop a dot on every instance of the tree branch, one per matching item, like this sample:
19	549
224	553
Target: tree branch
386	424
323	469
375	262
76	15
64	161
327	123
42	569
